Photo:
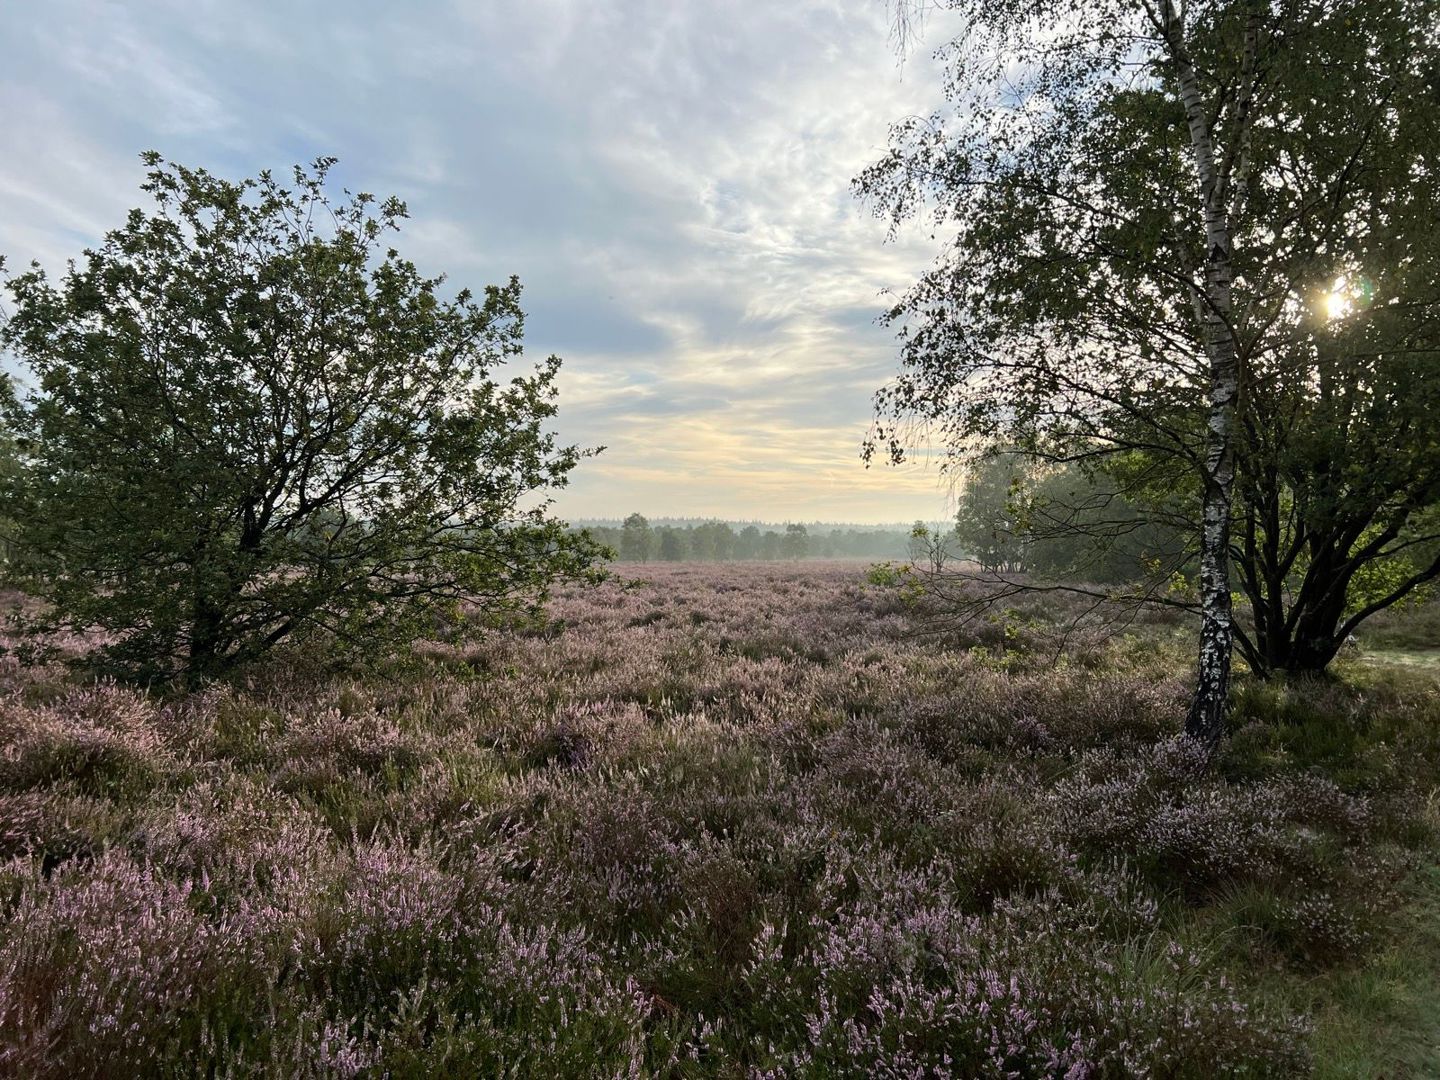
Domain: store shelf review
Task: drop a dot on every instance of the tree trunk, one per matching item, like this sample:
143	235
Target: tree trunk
206	623
1299	630
1311	657
1206	721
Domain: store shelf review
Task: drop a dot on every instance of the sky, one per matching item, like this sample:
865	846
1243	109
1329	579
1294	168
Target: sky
670	179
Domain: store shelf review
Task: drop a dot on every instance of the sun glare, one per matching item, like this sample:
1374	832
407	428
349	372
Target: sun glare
1337	304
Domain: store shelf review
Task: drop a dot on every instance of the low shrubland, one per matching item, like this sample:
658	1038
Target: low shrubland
735	821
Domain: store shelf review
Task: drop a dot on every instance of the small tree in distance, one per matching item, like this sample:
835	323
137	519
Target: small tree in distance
253	423
932	546
672	545
636	539
796	541
724	540
747	543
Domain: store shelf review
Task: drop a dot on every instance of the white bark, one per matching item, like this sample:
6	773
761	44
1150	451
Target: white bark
1207	709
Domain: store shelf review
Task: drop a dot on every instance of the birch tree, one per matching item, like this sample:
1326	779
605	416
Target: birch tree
1146	197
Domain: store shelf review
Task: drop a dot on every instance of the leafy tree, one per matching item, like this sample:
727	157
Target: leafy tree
1078	527
1146	199
747	543
9	467
701	541
796	542
1336	506
987	521
609	537
253	422
933	546
673	547
770	545
636	539
722	540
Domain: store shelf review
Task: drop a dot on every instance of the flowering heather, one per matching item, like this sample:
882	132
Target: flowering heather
736	821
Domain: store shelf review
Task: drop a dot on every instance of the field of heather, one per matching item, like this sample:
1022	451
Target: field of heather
721	821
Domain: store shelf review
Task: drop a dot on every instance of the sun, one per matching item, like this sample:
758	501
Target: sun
1337	304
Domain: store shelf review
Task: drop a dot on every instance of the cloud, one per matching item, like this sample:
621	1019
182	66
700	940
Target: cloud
670	181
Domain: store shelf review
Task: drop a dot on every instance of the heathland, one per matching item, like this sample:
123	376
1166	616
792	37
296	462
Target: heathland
756	820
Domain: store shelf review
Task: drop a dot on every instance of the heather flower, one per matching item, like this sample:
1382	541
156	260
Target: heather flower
735	820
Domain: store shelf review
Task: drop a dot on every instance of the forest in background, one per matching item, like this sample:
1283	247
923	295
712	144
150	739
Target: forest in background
639	539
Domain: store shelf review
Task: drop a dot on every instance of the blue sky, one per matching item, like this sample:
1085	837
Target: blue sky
669	179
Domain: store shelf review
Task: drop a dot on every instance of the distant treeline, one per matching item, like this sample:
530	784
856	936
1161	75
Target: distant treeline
814	528
637	540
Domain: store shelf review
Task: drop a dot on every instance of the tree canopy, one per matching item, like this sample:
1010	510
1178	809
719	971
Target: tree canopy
252	421
636	539
1165	222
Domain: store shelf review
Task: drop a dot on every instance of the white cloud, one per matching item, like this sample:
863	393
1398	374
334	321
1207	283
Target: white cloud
671	181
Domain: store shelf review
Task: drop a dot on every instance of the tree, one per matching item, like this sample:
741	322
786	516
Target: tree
672	544
986	519
1078	528
702	541
710	540
932	546
723	540
610	537
1146	199
9	467
770	545
1337	513
747	543
253	422
636	539
796	542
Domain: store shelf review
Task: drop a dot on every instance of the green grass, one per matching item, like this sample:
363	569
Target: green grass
1382	1018
1428	657
1406	627
1378	1016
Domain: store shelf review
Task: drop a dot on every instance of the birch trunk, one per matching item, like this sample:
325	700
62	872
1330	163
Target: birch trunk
1206	720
